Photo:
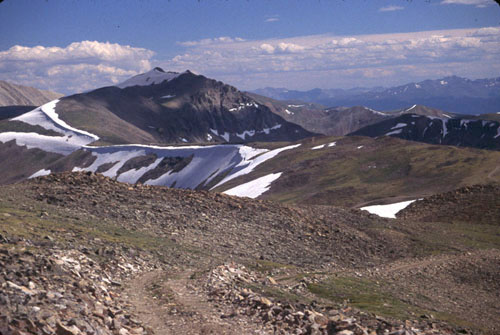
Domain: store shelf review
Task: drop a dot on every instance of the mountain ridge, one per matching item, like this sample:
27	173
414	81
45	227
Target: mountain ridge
19	95
181	108
452	94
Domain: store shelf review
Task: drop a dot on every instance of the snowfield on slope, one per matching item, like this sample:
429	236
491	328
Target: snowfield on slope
45	116
204	163
154	76
254	188
387	211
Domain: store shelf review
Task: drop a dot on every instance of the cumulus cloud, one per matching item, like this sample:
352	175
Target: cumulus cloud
342	61
74	68
477	3
281	47
390	8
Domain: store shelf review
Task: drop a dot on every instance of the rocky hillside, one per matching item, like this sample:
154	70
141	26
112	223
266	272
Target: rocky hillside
477	203
81	253
18	95
448	130
166	107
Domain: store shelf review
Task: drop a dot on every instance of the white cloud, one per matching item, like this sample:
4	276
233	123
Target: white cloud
74	68
208	41
327	60
390	8
267	48
477	3
272	19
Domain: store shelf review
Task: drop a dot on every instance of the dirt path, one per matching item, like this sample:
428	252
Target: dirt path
175	304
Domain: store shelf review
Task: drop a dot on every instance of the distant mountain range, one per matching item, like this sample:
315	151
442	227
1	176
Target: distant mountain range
338	121
457	131
451	94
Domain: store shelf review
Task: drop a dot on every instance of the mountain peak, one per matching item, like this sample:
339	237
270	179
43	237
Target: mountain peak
152	77
158	69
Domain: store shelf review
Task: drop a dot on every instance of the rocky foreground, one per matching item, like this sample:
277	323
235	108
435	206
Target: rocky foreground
82	254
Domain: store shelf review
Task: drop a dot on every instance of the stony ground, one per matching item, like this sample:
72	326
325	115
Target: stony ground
82	254
478	203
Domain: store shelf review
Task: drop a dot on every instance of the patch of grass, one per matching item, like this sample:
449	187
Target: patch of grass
386	168
476	236
370	296
37	222
365	295
267	266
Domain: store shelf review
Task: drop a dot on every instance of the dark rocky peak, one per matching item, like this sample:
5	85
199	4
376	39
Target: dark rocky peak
158	69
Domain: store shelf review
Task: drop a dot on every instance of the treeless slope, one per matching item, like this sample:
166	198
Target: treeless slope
359	171
322	261
12	94
473	204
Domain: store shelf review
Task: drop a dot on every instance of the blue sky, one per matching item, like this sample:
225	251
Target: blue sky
75	45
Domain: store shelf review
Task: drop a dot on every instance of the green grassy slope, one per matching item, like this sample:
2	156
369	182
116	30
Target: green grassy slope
359	171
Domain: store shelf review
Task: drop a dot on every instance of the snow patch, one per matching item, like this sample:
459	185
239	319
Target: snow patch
254	188
295	106
464	122
376	112
60	145
360	147
399	125
409	109
168	96
40	173
445	128
288	112
206	162
243	105
245	133
498	132
268	130
332	144
387	211
225	136
245	167
46	117
318	147
394	132
152	77
132	176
